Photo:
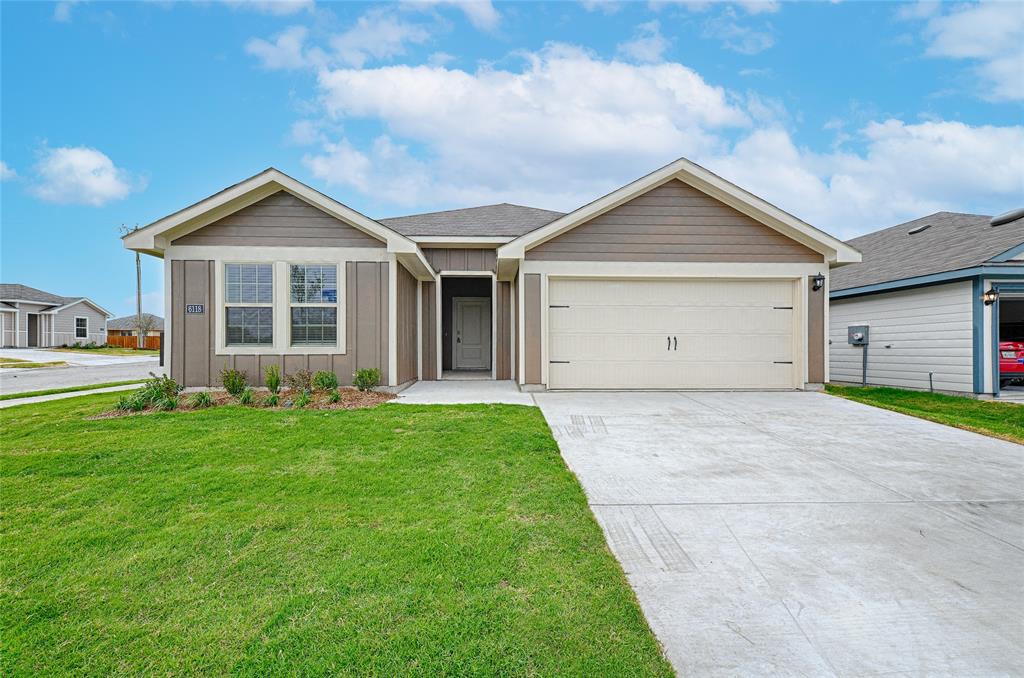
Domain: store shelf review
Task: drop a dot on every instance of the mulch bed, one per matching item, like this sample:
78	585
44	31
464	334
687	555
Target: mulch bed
350	399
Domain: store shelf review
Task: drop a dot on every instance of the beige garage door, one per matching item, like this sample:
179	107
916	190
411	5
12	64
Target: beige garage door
670	334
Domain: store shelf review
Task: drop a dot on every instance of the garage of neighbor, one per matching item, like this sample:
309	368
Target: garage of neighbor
609	334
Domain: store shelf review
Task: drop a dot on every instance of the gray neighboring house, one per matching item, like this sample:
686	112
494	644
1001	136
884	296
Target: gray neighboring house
937	293
33	318
679	279
128	326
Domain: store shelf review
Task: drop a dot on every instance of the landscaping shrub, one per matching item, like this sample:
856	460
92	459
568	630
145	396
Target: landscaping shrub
302	399
168	404
159	388
325	381
271	400
201	399
234	381
247	397
300	381
365	379
333	396
128	403
272	378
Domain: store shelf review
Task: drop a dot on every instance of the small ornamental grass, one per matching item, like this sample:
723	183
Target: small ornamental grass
200	400
302	399
272	400
333	396
247	397
272	378
234	381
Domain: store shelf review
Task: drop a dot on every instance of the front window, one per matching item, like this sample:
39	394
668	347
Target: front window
81	328
313	296
249	304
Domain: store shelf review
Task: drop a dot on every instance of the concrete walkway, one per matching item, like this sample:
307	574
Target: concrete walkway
800	534
61	396
463	392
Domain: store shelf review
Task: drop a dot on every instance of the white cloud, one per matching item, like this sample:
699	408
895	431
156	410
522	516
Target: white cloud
750	6
377	34
62	10
736	36
648	44
305	133
6	171
272	7
286	52
81	175
991	34
480	13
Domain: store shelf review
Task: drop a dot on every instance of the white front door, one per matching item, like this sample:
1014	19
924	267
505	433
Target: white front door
699	334
472	342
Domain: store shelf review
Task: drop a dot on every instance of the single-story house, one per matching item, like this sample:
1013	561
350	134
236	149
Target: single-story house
937	295
128	326
678	280
31	317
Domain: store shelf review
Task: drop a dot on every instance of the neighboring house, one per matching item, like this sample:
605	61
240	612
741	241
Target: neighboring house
31	317
922	289
677	280
128	326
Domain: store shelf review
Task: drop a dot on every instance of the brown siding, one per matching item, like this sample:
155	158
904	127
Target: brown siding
514	294
406	335
461	259
815	334
531	327
673	222
280	219
194	360
429	344
503	307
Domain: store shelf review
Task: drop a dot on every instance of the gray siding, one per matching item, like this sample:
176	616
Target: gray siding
64	325
913	332
195	362
531	328
815	334
7	334
673	222
503	350
406	334
280	220
461	259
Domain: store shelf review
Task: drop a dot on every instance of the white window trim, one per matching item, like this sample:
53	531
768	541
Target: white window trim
225	305
282	302
86	319
339	272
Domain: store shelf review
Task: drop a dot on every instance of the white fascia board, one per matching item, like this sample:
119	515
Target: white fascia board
835	250
83	300
156	236
460	241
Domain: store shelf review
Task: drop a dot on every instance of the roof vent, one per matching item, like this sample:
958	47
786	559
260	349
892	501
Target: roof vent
917	229
1007	217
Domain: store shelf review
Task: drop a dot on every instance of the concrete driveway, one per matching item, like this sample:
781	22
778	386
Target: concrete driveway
801	534
82	369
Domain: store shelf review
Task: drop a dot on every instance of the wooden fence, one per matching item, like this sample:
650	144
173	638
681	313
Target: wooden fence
152	343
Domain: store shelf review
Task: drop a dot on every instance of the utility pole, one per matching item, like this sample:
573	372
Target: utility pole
141	343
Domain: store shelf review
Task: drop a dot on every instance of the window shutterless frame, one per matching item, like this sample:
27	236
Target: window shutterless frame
83	327
248	289
313	304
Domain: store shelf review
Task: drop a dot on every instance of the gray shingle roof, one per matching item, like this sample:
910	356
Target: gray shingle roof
12	292
502	220
128	322
952	242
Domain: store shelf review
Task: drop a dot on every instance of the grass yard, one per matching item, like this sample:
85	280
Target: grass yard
108	350
1000	420
399	540
27	364
67	389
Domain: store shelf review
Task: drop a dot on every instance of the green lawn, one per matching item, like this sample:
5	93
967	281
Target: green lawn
108	350
400	540
27	364
1000	420
67	389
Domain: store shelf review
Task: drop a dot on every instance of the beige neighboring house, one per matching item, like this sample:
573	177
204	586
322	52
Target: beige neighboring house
128	326
678	280
33	318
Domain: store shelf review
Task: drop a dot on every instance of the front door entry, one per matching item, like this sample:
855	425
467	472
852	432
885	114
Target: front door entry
33	329
472	346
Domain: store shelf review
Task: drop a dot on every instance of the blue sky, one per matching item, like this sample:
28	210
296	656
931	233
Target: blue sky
852	115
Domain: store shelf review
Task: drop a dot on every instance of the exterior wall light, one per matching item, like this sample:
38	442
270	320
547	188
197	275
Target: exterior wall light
818	282
990	296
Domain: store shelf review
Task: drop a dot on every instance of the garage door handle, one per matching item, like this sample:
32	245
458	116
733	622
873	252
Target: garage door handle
669	347
676	339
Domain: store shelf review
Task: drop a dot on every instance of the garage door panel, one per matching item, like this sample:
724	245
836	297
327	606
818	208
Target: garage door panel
670	333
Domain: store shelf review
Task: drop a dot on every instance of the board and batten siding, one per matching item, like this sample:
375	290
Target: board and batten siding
194	358
532	329
428	357
461	258
673	222
280	220
405	297
912	332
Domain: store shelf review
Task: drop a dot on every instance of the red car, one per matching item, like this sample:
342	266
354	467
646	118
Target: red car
1011	361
